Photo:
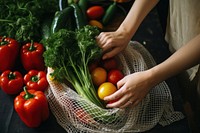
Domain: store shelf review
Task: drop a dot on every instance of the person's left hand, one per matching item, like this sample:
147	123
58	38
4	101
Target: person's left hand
112	43
131	90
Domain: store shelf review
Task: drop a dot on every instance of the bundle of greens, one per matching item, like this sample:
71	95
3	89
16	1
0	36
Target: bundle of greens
22	19
68	53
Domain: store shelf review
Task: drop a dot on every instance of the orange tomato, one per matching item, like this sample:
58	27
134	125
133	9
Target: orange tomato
106	89
99	75
96	23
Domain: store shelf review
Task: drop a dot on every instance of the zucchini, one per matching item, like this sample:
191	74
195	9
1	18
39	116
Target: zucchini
83	4
62	19
80	21
46	28
109	14
62	4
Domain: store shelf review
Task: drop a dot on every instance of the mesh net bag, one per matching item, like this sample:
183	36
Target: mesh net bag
78	115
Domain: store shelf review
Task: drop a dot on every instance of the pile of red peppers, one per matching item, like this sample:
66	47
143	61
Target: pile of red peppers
30	103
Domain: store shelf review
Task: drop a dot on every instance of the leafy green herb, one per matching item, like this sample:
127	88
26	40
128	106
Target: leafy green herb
68	53
22	19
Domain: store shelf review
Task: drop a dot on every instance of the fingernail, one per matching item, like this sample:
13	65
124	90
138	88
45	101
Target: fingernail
104	57
107	106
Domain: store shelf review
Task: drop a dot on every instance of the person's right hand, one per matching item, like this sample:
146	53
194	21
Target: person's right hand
131	89
112	42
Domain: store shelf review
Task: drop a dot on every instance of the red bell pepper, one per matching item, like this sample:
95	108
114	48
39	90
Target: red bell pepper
36	80
32	107
11	82
32	56
9	49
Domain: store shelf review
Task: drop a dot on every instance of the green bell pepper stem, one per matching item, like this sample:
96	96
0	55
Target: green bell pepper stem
27	95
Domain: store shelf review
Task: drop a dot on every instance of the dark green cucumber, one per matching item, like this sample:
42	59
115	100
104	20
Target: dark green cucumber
62	19
110	13
62	4
80	21
83	4
46	28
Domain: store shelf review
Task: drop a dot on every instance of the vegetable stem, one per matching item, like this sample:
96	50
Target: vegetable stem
6	20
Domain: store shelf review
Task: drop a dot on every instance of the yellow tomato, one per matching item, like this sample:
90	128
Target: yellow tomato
96	23
99	75
106	89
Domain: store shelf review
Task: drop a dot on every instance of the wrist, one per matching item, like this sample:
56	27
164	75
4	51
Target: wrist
125	32
154	76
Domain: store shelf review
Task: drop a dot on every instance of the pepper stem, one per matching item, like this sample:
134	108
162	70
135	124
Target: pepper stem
3	42
31	48
11	75
27	95
35	78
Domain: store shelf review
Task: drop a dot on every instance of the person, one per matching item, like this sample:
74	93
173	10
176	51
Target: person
134	87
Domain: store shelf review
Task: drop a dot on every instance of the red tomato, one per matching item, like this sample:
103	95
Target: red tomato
93	65
112	101
95	12
109	64
114	76
106	89
99	75
83	116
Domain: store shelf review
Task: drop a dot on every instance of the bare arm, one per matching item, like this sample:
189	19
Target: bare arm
136	15
184	58
135	87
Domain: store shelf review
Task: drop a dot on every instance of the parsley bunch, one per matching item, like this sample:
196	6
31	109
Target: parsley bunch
69	53
22	19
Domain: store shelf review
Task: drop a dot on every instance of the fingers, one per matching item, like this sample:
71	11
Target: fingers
130	103
124	102
118	94
125	96
101	39
104	39
111	43
111	53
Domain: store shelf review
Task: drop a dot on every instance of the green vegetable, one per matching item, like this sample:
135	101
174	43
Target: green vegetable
62	19
62	4
109	14
22	19
69	2
79	16
83	4
46	27
68	53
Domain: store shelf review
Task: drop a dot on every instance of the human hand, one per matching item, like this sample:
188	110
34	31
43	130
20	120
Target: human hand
131	90
112	43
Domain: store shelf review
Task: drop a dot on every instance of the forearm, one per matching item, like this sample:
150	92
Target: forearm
137	13
186	57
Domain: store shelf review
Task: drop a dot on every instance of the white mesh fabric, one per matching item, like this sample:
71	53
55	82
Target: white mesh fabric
76	114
